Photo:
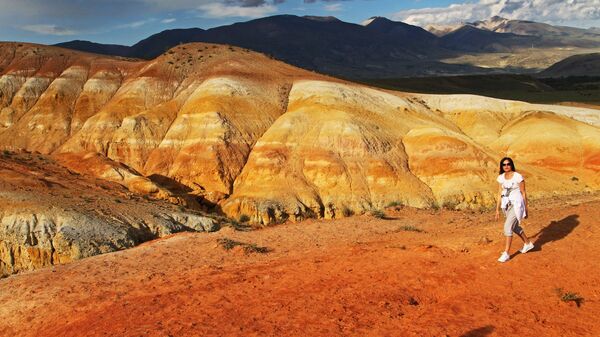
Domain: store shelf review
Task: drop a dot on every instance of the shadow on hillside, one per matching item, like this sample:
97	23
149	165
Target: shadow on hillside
184	192
169	183
479	332
556	230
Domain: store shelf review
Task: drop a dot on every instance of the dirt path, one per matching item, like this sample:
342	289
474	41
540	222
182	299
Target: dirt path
351	277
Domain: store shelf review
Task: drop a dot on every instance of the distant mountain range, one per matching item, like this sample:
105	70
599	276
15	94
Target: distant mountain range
378	48
548	35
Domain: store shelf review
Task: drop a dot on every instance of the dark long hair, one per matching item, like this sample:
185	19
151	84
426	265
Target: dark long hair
512	165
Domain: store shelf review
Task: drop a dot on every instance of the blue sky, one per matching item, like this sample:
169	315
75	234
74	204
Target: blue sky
128	21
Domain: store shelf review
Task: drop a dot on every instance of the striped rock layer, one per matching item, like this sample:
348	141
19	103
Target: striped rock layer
252	135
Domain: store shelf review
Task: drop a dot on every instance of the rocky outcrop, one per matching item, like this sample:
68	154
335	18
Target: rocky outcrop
51	215
38	238
221	126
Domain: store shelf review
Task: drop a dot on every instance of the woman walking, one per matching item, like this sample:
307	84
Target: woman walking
513	201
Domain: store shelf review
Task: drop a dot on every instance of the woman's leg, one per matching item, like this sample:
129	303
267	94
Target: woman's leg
523	236
527	244
509	225
508	242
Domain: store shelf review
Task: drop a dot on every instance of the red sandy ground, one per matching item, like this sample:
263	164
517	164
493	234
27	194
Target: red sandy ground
359	276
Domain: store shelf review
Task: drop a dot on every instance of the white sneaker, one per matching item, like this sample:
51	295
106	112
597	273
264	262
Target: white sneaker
504	257
526	247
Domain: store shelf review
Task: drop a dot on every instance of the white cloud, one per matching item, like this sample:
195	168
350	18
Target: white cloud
49	29
170	20
571	12
136	24
219	10
333	7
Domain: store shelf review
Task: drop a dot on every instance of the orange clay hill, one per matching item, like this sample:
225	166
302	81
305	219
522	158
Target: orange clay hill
253	136
100	154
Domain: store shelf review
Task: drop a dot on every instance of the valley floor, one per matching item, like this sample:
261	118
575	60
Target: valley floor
358	276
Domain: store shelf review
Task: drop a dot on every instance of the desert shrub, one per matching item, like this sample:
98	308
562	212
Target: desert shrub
228	244
574	179
346	211
569	296
408	228
377	213
435	206
449	204
485	209
244	218
249	248
6	153
237	225
395	204
253	248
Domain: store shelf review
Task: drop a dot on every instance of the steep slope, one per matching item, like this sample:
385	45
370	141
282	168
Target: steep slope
578	65
472	39
157	44
401	33
231	130
98	48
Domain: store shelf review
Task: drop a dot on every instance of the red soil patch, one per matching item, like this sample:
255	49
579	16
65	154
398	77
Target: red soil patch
351	277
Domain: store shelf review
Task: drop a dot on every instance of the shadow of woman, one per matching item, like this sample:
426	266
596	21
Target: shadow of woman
555	231
479	332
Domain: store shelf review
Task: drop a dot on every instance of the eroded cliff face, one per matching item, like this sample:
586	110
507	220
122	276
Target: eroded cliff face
51	215
250	135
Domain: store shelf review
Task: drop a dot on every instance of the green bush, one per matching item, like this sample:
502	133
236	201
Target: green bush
569	296
395	204
450	205
377	213
347	212
408	228
249	248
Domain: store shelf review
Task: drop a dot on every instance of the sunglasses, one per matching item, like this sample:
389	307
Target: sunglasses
505	164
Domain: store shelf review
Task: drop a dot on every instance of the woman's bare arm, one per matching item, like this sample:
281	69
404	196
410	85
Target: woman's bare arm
499	202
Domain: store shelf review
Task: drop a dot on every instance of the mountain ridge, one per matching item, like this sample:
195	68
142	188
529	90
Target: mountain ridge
381	48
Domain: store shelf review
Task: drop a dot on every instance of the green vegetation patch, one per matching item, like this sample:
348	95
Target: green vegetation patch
377	213
397	204
581	89
409	228
569	296
248	248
